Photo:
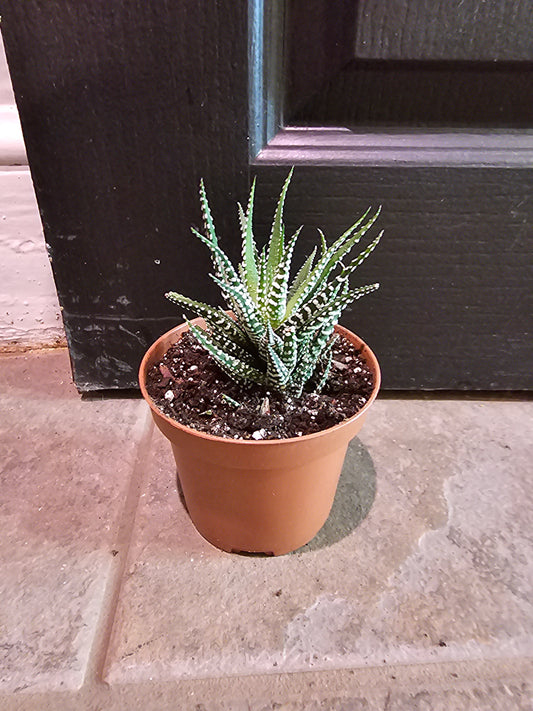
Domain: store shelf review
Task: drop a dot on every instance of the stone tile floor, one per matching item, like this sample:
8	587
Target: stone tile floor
417	593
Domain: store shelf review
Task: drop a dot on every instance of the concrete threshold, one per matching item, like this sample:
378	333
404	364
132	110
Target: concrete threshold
416	594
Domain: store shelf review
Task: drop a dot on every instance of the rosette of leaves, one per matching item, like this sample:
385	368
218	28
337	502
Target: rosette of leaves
282	331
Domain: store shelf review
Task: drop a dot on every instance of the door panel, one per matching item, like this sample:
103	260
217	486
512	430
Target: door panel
477	30
455	266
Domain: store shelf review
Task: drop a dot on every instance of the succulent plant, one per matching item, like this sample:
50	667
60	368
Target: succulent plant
282	332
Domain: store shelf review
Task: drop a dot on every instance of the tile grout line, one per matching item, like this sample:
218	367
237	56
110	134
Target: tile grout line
110	598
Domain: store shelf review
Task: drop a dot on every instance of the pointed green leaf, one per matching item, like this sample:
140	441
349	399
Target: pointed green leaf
241	302
262	290
227	344
232	366
249	248
269	339
324	365
225	269
206	214
345	245
302	274
289	352
329	261
242	221
317	346
277	373
332	310
275	250
306	312
218	319
323	242
277	299
361	257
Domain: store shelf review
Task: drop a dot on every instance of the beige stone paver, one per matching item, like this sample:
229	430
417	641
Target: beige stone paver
65	469
439	570
415	596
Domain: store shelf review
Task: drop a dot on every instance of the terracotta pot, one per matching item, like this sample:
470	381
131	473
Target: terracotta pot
269	496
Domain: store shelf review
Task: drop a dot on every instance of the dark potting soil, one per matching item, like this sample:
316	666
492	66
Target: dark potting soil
188	386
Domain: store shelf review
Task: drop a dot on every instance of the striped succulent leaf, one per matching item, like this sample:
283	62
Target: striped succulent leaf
278	374
230	364
249	249
206	214
302	274
276	242
276	304
325	364
280	333
329	262
216	318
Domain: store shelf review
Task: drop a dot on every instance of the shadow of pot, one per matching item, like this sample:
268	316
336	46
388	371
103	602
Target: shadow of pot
266	496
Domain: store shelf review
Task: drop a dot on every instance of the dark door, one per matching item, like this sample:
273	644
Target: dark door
420	106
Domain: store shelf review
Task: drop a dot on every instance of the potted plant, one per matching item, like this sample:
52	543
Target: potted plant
278	361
